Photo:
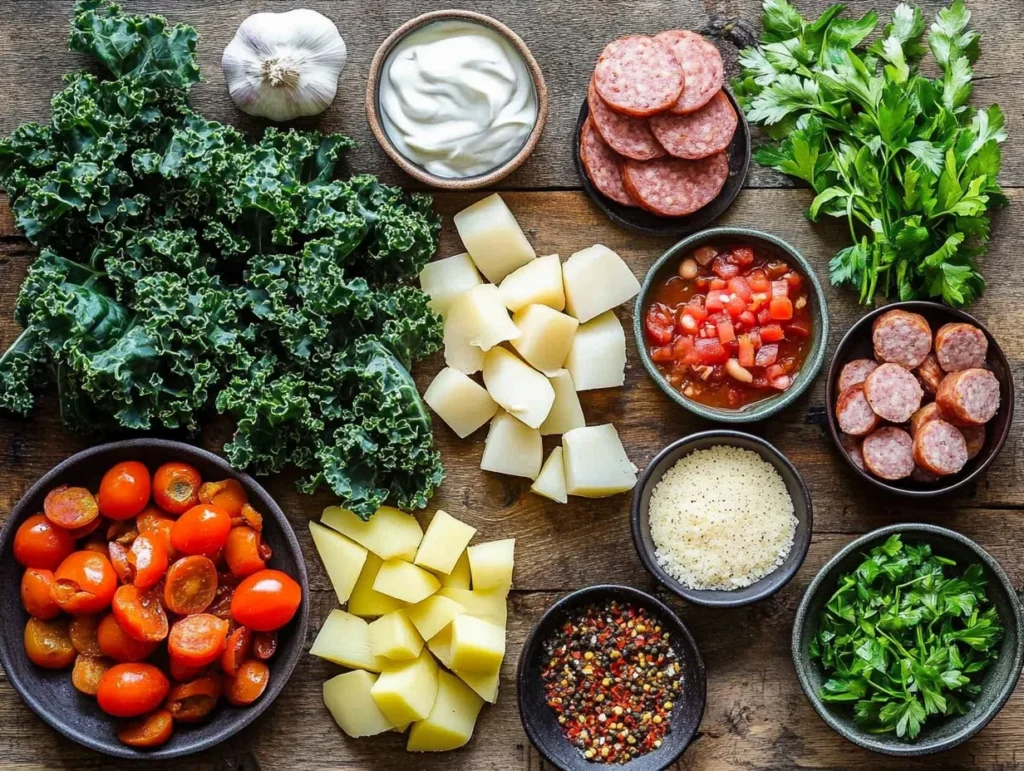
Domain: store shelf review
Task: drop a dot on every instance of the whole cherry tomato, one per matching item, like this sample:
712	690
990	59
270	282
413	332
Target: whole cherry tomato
117	644
124	490
176	487
266	600
248	685
197	640
35	593
242	551
73	508
84	583
203	529
149	731
148	556
39	543
129	690
48	644
140	614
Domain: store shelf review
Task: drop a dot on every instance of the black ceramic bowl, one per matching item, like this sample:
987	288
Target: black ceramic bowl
540	721
646	222
758	590
50	692
856	344
997	685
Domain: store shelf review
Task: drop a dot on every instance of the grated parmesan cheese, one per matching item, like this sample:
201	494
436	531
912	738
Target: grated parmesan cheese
721	518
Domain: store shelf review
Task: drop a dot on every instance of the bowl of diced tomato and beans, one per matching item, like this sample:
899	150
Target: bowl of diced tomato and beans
732	324
155	599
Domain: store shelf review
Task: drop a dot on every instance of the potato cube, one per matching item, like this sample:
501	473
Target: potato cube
343	559
345	639
493	238
460	401
433	614
446	279
459	577
451	721
512	448
546	337
405	581
348	699
566	413
477	645
389	533
520	389
486	685
491	564
443	543
598	355
441	646
538	281
596	464
551	482
460	354
364	601
490	605
394	636
405	690
596	280
480	318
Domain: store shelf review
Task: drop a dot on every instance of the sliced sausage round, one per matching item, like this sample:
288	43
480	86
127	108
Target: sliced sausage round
854	372
960	346
638	76
852	446
702	133
702	66
854	414
893	393
902	338
602	165
970	396
926	414
974	436
930	374
889	453
673	187
940	448
628	136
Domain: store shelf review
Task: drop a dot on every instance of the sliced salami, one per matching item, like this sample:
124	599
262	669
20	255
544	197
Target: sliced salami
940	448
852	446
702	133
602	165
854	414
638	76
854	372
960	346
930	373
970	396
902	338
893	393
702	66
974	436
673	187
926	414
628	136
889	453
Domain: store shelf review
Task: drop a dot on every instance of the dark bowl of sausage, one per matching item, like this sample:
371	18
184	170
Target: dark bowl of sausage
920	398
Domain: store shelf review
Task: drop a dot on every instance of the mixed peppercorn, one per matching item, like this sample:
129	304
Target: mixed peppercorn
612	678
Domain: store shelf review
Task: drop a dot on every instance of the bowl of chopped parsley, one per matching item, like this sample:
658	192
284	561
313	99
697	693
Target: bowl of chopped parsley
909	641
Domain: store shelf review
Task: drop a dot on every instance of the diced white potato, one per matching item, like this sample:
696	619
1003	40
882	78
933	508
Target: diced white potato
441	646
348	699
551	482
598	355
596	280
459	577
345	639
491	564
493	238
405	690
490	605
521	390
566	413
364	601
477	645
446	279
389	533
443	543
405	581
512	448
343	559
538	281
394	636
460	401
480	318
596	464
459	353
485	684
546	337
451	721
433	614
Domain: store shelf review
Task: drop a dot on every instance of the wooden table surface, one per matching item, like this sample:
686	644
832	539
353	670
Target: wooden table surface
757	716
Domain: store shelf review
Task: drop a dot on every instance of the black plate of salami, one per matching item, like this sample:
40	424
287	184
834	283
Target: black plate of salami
920	398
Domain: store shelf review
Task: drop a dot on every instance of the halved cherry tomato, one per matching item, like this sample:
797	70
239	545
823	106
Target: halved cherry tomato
140	614
242	551
659	323
124	490
124	531
159	523
117	644
84	631
39	543
248	685
129	690
148	556
228	494
203	529
724	268
191	585
48	644
267	600
119	560
185	674
221	605
194	701
84	583
88	672
239	648
197	640
249	517
176	487
264	645
35	593
70	507
150	731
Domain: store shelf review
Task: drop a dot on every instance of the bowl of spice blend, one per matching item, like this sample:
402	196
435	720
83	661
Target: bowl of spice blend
611	676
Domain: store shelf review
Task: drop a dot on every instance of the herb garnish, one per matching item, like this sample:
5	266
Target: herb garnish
904	640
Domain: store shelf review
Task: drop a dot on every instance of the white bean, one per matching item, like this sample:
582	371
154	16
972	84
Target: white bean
688	269
736	372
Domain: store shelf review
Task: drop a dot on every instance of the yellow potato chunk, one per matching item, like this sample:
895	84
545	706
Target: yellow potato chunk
486	685
479	317
459	401
348	699
512	447
598	355
364	601
595	462
433	614
394	636
389	533
459	577
446	279
405	581
551	481
345	639
493	238
443	543
521	390
451	720
405	690
477	645
538	281
545	337
343	559
441	646
566	413
596	280
491	563
489	605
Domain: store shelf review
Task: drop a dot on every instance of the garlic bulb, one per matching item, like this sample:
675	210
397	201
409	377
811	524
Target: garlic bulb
284	65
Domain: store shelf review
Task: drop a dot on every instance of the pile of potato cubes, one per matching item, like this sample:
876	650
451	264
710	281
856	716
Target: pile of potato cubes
414	599
565	338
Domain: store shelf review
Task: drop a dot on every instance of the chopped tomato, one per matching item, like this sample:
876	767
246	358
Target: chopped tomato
680	347
766	355
725	269
741	255
780	289
718	283
738	286
659	324
735	306
758	281
747	319
695	307
772	333
781	309
714	300
711	351
745	355
663	354
726	333
764	316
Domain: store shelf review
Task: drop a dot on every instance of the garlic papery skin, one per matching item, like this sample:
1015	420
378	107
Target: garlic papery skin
284	65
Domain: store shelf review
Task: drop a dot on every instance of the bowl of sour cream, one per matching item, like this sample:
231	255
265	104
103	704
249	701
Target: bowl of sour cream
456	99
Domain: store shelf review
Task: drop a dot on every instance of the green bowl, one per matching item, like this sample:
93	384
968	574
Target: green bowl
765	408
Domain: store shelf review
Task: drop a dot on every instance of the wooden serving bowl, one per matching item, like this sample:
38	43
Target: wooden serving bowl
50	692
418	172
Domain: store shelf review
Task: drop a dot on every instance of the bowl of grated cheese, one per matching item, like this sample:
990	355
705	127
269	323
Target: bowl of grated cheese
721	518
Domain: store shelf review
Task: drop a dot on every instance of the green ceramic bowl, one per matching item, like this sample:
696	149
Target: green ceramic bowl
667	264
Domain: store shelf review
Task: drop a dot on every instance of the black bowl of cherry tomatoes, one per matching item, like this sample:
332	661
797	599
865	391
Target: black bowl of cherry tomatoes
154	600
